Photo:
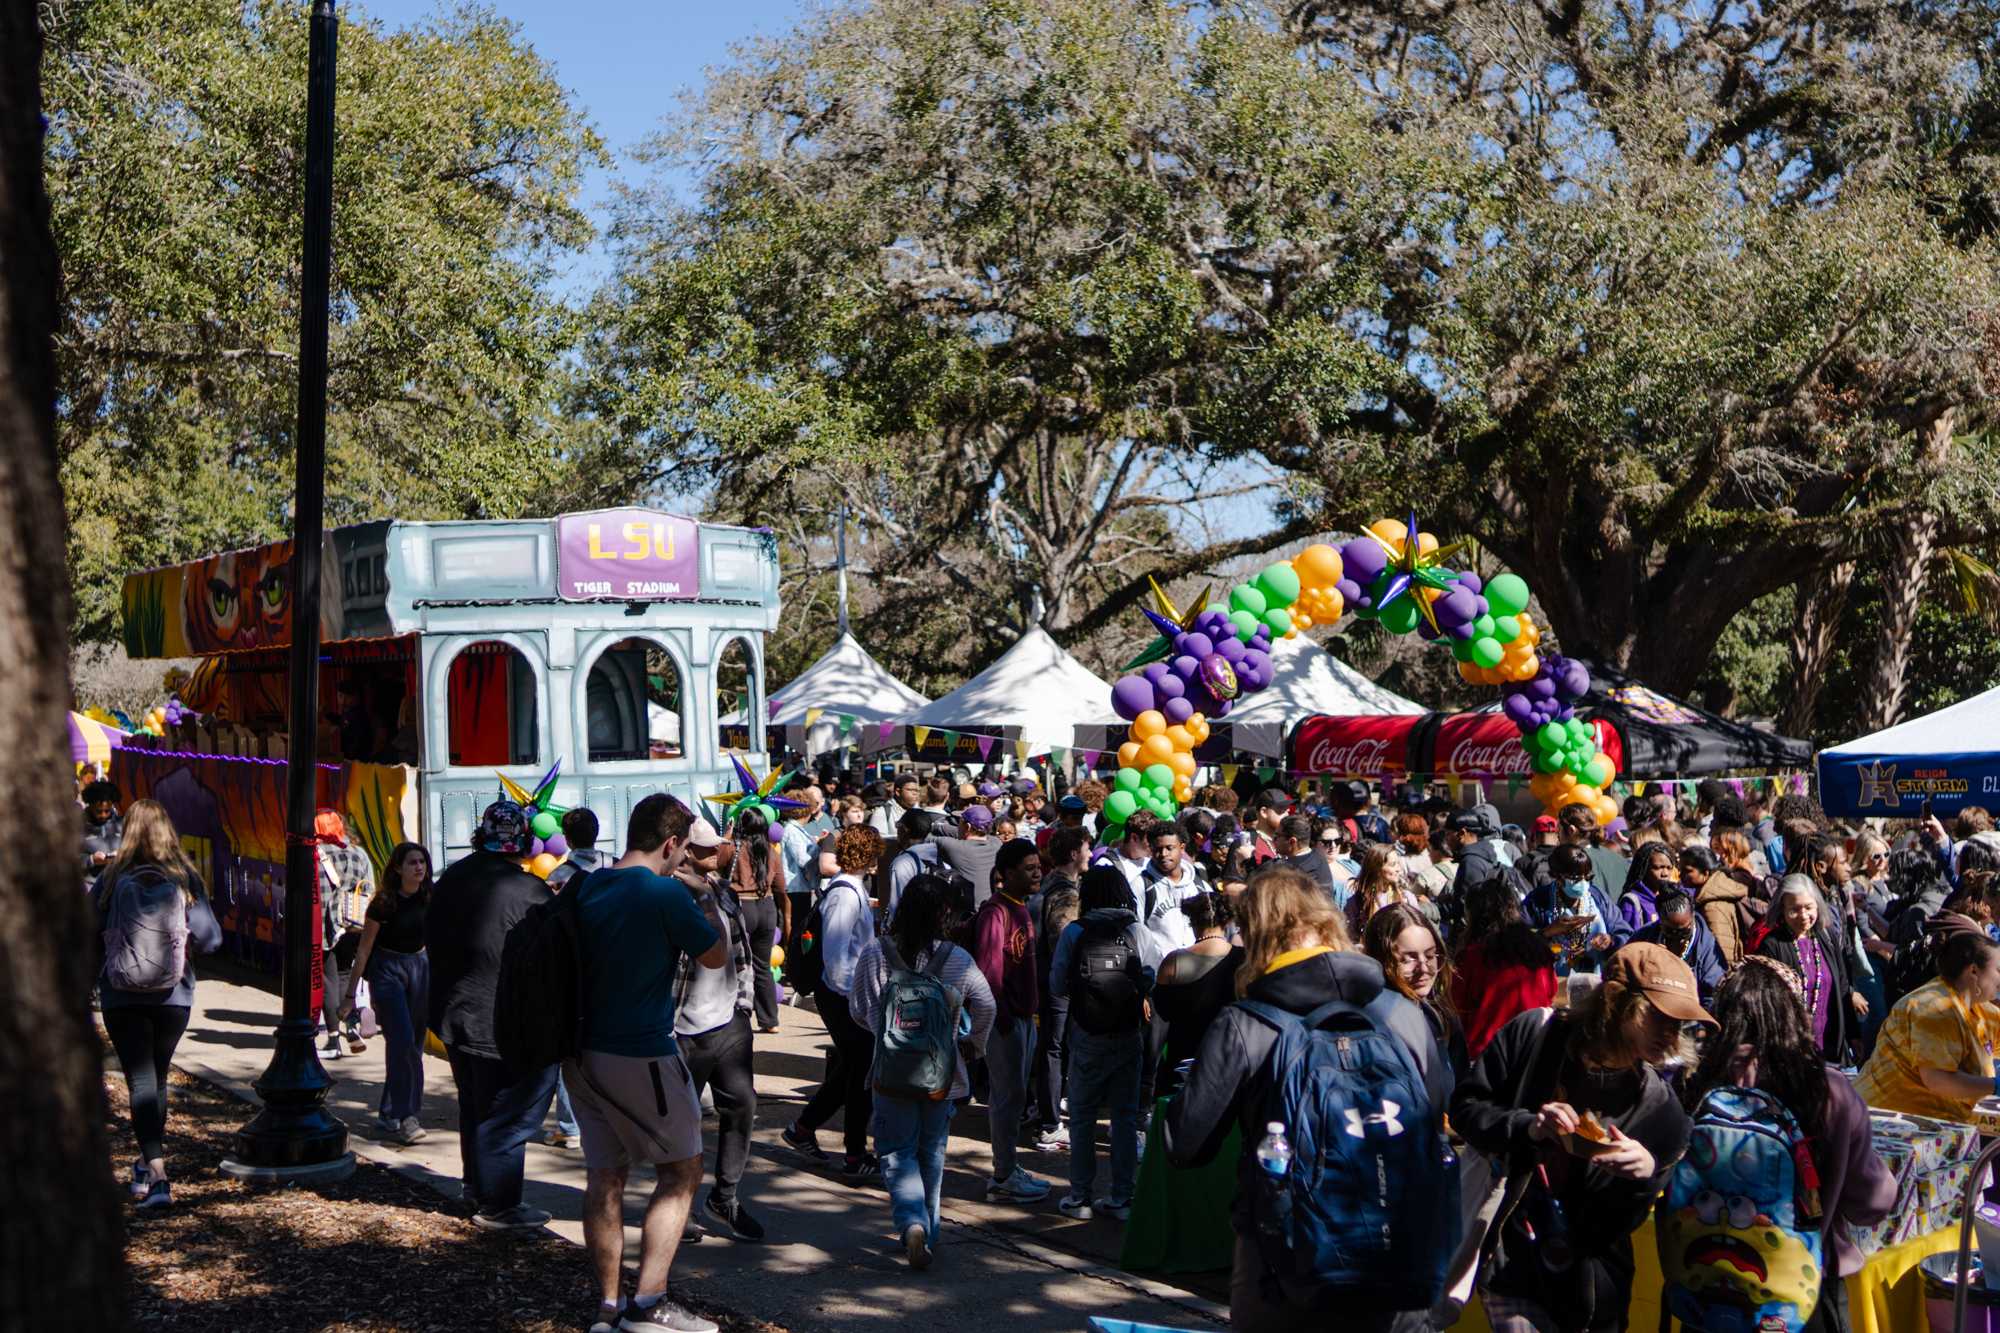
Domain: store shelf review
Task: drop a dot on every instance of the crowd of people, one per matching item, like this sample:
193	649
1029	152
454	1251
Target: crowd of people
1535	1019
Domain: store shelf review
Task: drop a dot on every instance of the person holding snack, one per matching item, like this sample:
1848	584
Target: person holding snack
1934	1054
1574	1102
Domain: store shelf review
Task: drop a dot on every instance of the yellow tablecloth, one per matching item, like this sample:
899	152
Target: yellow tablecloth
1886	1296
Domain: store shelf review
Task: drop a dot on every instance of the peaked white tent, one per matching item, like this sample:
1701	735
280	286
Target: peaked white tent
1305	679
1950	758
1034	692
845	682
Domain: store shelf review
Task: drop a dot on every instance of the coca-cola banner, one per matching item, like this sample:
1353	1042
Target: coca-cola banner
1488	745
1354	747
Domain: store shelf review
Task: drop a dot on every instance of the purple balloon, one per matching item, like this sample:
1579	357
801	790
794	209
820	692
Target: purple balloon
1425	632
1349	590
1131	696
1363	559
1186	666
1463	631
556	846
775	833
1178	710
535	846
1471	583
1520	711
1253	673
1157	672
1231	648
1195	644
1541	686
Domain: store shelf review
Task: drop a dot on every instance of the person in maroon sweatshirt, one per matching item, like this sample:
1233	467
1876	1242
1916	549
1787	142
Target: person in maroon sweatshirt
1003	944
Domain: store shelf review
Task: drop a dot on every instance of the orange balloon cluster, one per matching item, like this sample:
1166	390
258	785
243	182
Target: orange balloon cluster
1156	741
1319	602
1556	790
1520	663
541	865
1397	535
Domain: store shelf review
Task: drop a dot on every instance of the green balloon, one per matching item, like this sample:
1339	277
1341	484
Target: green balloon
1128	779
1280	584
1585	750
1483	627
545	825
1246	624
1120	806
1401	616
1579	730
1548	761
1599	772
1551	737
1461	649
1507	594
1160	777
1487	652
1506	628
1246	597
1280	621
770	812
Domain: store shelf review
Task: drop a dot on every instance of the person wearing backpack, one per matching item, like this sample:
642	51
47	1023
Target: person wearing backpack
1053	907
1559	1259
1003	943
634	1095
153	915
1255	1059
846	923
1761	1094
925	1007
474	904
1099	967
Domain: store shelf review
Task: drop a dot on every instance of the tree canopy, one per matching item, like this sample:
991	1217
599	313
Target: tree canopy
176	143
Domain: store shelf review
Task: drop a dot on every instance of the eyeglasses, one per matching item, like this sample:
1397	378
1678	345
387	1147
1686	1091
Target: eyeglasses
1411	962
1329	842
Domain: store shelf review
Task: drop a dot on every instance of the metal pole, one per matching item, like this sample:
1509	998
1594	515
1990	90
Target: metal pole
294	1135
840	561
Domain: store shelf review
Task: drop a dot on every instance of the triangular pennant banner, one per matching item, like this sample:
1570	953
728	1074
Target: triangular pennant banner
1736	785
1265	774
1513	785
1229	772
814	714
884	732
950	740
1089	758
1639	789
1021	751
846	725
922	734
985	744
1057	754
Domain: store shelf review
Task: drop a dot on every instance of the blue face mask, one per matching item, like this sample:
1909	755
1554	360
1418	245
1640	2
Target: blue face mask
1576	889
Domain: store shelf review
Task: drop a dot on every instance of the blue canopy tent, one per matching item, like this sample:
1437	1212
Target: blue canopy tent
1950	757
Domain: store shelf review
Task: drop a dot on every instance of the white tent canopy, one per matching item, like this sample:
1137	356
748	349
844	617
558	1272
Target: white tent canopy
1034	692
845	682
1306	679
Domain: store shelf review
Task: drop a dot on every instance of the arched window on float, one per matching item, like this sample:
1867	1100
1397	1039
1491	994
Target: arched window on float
494	711
635	703
739	696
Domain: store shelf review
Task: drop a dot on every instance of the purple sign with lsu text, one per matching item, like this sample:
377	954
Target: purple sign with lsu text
627	555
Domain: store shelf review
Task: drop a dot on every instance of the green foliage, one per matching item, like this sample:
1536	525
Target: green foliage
176	135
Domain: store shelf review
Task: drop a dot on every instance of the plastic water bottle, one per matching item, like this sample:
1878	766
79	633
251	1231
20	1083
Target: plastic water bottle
1274	1154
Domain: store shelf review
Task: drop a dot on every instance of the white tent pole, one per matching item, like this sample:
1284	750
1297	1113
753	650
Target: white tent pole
840	561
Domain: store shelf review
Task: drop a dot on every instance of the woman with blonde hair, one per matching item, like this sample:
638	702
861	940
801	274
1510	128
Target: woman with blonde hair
1382	883
153	912
1297	959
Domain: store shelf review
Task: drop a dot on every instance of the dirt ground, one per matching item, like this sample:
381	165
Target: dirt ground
375	1252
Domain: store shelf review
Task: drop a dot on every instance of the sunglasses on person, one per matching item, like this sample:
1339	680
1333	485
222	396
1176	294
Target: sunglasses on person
1333	843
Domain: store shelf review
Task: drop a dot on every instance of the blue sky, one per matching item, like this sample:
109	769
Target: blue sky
625	63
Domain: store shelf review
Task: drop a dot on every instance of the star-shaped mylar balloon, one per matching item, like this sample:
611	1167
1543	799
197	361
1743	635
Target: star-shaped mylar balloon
754	791
1414	568
1169	622
541	798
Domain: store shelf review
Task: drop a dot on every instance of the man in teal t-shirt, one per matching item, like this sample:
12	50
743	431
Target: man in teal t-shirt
634	1098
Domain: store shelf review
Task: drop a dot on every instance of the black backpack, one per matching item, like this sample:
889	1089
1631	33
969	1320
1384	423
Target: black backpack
1104	997
538	1001
805	960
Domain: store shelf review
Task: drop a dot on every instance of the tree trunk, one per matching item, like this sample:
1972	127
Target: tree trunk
60	1232
1911	547
1822	599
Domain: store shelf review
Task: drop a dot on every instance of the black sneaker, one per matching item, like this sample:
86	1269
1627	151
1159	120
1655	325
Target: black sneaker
860	1167
735	1218
663	1316
801	1140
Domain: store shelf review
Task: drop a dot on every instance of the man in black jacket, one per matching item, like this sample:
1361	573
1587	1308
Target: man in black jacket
475	903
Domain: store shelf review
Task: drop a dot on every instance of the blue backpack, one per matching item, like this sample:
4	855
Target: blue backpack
1739	1224
1368	1213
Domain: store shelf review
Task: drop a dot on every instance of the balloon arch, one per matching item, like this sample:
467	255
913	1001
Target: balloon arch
1207	658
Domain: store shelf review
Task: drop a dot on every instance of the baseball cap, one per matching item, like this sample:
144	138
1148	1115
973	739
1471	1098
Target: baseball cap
1667	981
503	828
1072	802
1471	821
1024	787
988	789
1273	798
978	816
1355	790
702	835
1546	824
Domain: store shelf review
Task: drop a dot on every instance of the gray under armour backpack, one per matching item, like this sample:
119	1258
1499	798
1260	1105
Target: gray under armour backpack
145	934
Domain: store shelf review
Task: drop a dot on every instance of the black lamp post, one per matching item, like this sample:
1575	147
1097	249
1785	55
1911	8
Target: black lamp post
294	1137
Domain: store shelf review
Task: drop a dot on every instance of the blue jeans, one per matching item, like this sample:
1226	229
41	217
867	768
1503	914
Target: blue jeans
497	1114
565	1117
910	1136
400	986
1104	1071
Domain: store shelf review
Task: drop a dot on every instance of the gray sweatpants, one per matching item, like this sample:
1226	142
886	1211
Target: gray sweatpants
1010	1058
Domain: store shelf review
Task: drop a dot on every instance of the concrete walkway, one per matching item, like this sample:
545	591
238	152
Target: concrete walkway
830	1262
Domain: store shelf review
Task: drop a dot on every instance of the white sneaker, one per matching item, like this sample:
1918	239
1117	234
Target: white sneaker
1113	1208
411	1131
332	1050
1018	1188
1071	1206
1055	1140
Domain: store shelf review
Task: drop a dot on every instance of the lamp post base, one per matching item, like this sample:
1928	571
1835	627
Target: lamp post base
294	1132
318	1173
